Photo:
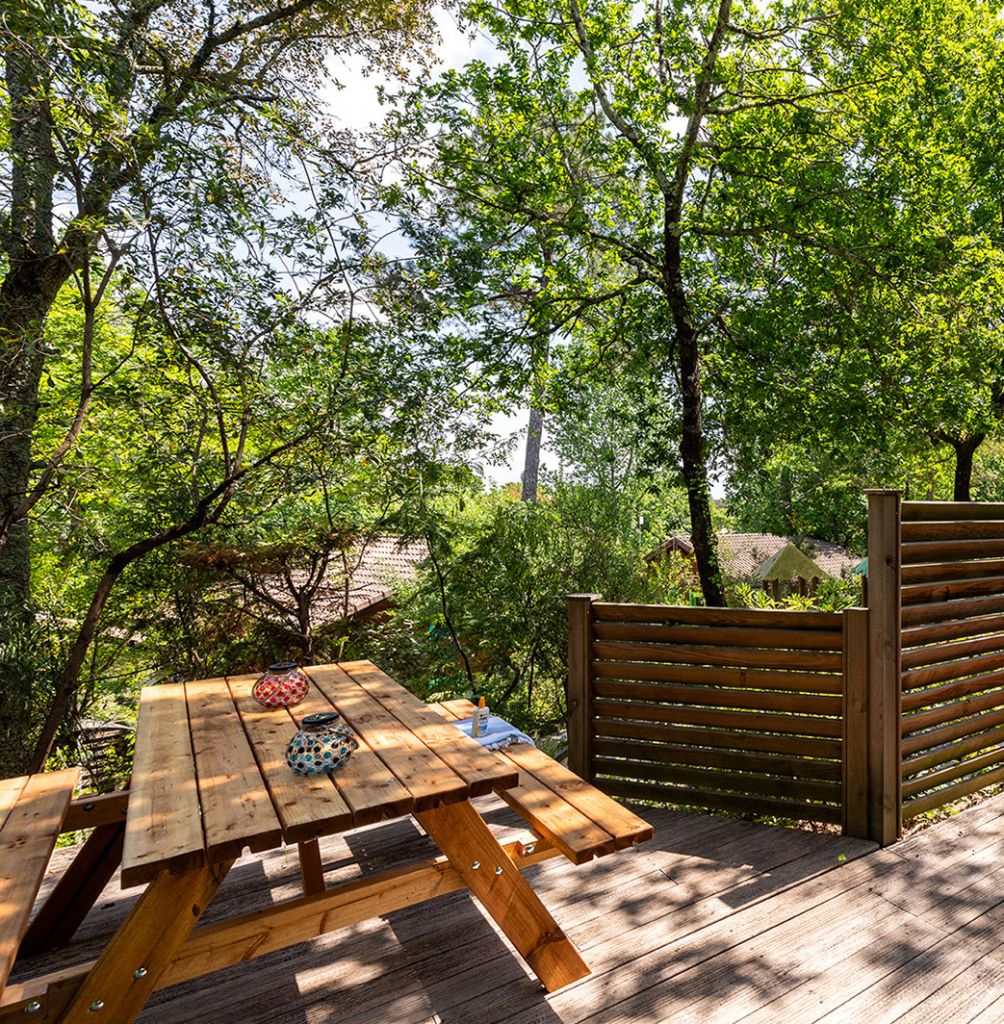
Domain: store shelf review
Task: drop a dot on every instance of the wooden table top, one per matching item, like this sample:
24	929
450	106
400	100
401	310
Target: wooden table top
210	775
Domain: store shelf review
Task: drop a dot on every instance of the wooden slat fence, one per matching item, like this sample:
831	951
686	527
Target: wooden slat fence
952	651
864	718
731	709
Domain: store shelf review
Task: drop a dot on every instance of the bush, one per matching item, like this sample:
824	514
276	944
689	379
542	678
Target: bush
488	613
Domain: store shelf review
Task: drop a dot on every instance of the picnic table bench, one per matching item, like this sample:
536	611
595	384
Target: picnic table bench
210	780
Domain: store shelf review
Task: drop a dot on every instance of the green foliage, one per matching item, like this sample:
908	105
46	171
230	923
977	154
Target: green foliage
505	568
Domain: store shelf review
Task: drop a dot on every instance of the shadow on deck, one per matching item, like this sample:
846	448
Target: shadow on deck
716	920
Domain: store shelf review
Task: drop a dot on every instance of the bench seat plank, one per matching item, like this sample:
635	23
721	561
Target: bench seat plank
479	768
576	835
27	839
625	826
164	824
10	790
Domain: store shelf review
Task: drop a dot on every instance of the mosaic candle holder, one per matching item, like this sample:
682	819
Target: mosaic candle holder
323	744
281	686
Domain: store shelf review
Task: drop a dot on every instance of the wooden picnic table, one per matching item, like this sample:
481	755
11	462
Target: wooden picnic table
210	780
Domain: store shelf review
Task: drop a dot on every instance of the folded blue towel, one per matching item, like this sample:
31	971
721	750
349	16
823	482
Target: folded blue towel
499	734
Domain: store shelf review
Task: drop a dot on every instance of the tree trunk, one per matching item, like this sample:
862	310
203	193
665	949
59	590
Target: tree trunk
20	372
29	286
964	452
692	454
22	319
531	460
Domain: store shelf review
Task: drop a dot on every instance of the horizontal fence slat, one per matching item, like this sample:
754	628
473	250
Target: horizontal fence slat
734	656
736	760
922	677
969	529
947	795
953	731
737	709
733	802
936	653
757	700
918	635
952	711
799	746
717	718
734	636
952	751
951	691
738	678
950	550
935	572
717	781
949	590
606	611
941	511
963	608
952	704
917	785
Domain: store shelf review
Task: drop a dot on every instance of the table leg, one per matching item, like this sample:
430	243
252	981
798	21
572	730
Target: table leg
311	868
124	976
76	892
487	870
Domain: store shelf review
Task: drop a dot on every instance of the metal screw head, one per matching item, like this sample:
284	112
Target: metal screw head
476	865
33	1007
96	1005
140	972
498	870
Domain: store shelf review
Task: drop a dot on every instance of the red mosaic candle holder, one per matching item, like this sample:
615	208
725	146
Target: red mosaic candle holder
281	686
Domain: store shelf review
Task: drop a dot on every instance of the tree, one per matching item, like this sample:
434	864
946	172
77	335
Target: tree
105	106
172	147
883	337
634	170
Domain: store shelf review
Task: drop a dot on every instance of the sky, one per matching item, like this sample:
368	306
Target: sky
358	107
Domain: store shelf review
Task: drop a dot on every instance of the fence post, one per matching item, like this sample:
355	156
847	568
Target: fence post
580	656
855	748
885	810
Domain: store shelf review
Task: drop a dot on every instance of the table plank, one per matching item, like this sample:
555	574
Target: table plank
27	840
237	811
429	780
164	821
479	768
365	782
308	806
10	790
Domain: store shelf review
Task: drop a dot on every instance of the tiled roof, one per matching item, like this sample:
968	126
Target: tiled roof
359	578
741	553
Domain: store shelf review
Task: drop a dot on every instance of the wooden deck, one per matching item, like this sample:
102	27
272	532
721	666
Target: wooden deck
715	921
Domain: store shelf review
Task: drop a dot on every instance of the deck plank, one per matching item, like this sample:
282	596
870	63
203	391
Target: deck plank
715	920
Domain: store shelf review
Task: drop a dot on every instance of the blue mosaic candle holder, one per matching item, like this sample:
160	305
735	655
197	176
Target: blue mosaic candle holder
323	744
